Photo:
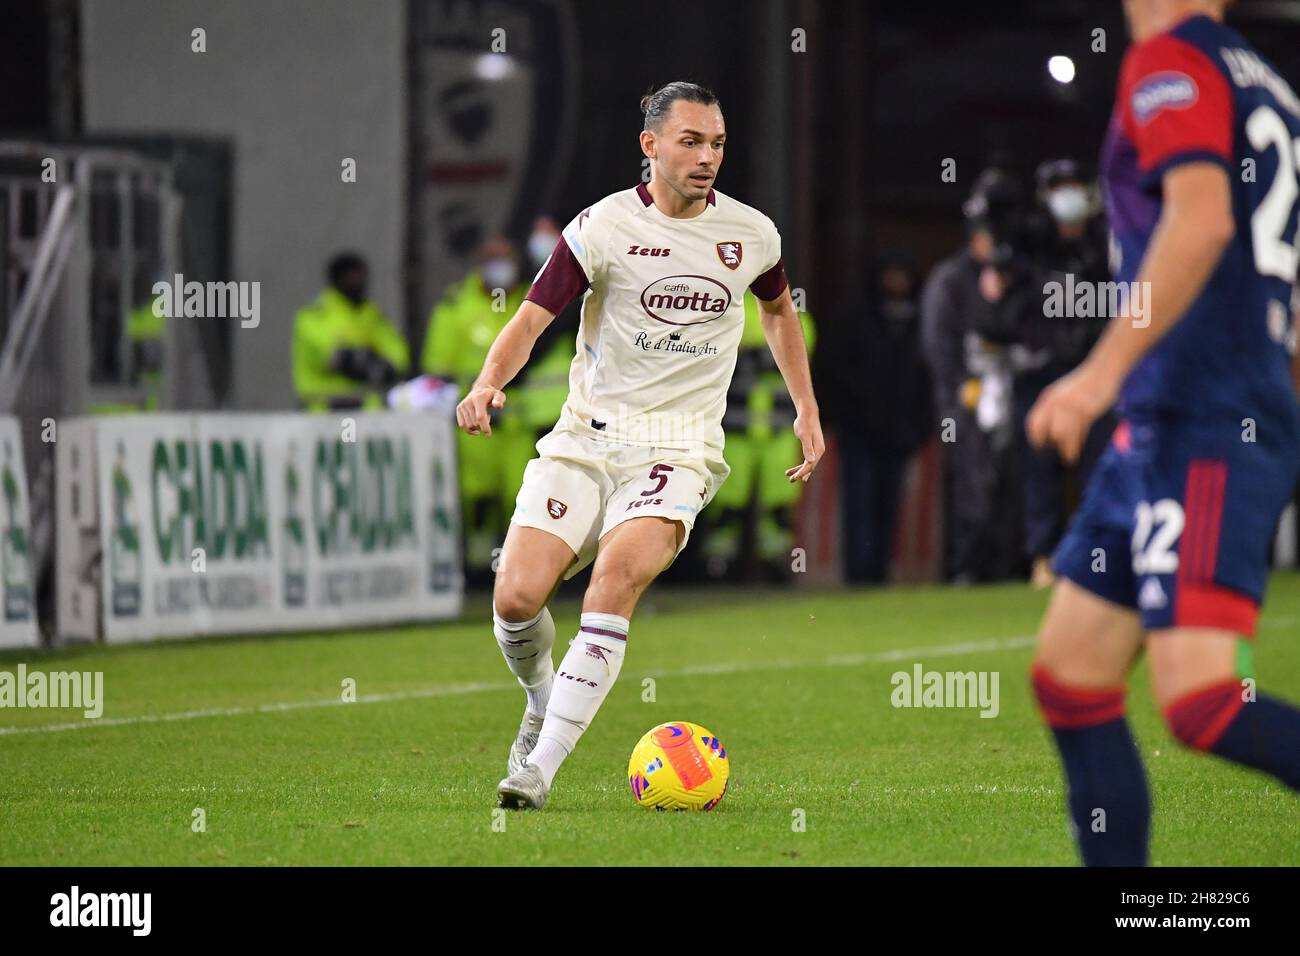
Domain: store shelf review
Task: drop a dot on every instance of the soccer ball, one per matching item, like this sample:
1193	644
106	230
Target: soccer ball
679	766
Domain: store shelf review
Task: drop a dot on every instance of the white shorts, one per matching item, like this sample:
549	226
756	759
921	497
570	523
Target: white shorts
579	488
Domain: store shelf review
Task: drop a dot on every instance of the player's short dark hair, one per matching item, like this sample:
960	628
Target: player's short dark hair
343	263
656	104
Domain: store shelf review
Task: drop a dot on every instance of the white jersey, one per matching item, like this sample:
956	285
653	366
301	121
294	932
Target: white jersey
662	314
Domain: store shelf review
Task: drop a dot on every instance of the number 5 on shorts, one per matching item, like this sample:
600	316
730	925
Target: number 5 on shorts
657	473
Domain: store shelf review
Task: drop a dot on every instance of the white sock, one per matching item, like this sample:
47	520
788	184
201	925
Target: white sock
526	647
582	682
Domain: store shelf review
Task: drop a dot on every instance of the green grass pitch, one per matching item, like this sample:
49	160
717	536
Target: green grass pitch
796	684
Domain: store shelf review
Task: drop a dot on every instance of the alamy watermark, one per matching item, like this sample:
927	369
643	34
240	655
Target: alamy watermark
133	911
208	300
675	428
922	688
1085	299
82	690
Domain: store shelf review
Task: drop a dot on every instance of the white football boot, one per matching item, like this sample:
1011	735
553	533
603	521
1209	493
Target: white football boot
523	790
524	743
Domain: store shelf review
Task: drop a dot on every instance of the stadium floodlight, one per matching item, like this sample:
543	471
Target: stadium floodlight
1061	69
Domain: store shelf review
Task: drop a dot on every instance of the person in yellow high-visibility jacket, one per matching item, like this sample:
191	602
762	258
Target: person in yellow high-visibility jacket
757	423
145	329
346	354
461	329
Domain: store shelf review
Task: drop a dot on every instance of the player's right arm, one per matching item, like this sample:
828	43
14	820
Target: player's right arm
509	352
565	276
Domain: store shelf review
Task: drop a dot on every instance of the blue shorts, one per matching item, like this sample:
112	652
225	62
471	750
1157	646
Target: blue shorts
1178	520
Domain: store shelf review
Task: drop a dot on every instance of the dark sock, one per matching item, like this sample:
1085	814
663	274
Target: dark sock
1108	802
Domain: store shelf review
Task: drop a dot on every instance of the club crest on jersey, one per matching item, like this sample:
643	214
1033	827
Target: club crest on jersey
730	253
556	509
1168	89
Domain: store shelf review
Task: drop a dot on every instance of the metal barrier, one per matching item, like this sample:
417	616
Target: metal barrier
87	230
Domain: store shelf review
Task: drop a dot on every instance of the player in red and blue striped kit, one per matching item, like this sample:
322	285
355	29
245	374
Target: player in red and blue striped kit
1169	550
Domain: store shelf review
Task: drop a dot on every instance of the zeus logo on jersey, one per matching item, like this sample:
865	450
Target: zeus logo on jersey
1168	89
635	250
685	299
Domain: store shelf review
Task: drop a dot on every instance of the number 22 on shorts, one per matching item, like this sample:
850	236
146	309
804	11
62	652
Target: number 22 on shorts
1156	530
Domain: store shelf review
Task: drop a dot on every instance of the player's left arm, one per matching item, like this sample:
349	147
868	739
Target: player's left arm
784	334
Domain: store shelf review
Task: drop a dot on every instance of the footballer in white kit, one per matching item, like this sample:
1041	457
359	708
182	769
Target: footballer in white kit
641	432
637	452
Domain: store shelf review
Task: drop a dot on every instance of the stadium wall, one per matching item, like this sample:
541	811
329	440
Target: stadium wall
297	86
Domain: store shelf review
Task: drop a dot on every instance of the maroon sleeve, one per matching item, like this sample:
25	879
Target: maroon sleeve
771	283
560	281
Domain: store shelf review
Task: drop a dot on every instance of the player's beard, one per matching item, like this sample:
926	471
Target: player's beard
693	191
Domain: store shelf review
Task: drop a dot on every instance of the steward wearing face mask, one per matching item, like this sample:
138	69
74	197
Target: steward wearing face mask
1048	295
461	329
966	349
346	354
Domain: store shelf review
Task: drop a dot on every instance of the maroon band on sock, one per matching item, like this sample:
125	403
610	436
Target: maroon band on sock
1070	708
603	631
1199	719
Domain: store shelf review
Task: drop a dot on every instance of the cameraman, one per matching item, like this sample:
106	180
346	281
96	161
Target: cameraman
972	384
1058	246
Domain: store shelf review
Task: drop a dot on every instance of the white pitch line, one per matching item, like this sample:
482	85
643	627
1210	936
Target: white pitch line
453	690
448	691
854	660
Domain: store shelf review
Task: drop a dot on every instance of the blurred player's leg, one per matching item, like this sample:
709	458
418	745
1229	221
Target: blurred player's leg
1199	681
532	563
1086	647
631	555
